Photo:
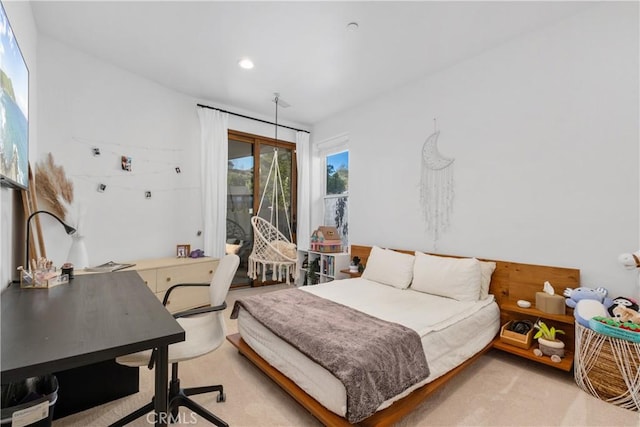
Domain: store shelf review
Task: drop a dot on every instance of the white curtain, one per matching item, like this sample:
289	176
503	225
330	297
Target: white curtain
303	156
214	149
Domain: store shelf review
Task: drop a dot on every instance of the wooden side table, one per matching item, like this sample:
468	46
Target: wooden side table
511	311
351	273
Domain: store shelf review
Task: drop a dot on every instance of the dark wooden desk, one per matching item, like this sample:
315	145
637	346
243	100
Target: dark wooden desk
94	318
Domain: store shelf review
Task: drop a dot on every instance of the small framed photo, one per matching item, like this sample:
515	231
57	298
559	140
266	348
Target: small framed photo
126	163
182	251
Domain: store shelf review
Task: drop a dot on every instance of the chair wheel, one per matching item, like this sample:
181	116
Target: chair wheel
221	397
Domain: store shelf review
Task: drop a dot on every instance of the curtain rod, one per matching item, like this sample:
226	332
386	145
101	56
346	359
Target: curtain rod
252	118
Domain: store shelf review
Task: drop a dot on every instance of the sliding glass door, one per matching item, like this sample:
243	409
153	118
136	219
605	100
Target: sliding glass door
240	205
245	187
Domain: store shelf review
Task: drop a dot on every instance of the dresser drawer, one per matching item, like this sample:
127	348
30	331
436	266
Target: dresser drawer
192	273
160	274
186	298
149	277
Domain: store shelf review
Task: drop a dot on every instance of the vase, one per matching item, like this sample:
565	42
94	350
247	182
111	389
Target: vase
78	253
550	348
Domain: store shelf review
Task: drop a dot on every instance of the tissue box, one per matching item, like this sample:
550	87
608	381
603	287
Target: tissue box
552	304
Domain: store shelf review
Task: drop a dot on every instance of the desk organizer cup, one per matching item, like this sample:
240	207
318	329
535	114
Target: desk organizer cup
42	278
67	268
514	338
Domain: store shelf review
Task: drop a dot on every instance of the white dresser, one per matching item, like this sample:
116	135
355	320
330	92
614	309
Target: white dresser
162	273
159	274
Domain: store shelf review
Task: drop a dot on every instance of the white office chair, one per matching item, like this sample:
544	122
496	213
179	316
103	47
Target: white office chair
205	331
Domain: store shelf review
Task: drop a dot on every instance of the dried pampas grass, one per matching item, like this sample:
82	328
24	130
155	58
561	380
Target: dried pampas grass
53	187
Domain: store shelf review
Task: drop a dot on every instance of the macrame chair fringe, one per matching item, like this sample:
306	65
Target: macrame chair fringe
281	271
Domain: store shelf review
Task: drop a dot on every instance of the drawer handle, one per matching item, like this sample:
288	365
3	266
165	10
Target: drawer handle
146	283
168	279
210	271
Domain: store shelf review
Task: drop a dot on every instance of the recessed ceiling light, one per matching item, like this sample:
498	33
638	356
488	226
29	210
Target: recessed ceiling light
245	63
352	27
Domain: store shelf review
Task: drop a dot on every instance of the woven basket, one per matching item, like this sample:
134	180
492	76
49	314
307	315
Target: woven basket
608	368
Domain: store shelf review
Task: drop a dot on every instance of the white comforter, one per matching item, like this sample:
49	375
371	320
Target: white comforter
451	332
416	310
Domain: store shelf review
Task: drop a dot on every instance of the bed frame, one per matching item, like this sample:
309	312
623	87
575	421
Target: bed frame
510	282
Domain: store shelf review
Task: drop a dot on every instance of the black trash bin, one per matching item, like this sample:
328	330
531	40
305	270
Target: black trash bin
29	402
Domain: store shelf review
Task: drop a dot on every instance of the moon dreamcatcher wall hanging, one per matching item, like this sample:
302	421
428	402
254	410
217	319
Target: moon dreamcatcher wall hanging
436	187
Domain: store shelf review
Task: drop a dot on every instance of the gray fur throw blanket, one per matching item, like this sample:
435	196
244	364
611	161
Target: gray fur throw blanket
374	359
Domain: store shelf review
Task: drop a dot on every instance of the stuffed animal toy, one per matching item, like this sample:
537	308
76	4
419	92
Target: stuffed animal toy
630	261
588	308
624	314
627	302
577	294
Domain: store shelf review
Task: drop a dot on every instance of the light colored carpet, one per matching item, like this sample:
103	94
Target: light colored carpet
498	390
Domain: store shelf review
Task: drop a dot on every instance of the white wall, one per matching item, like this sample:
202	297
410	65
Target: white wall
85	102
24	28
544	132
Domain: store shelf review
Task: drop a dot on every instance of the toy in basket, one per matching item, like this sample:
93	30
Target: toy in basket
326	239
623	330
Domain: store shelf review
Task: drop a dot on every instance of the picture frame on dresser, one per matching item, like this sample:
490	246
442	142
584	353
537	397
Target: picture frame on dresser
182	251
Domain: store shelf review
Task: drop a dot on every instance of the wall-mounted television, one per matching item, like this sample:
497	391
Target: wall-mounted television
14	109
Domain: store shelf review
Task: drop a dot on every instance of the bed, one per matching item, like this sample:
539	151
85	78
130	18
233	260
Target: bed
456	322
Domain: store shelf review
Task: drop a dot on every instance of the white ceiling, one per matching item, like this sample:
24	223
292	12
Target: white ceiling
301	49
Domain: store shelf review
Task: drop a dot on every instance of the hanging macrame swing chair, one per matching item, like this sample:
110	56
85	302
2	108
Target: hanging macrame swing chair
270	247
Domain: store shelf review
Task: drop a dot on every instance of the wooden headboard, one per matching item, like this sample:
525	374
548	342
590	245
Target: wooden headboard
511	281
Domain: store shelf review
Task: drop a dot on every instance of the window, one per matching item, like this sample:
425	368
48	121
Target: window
336	197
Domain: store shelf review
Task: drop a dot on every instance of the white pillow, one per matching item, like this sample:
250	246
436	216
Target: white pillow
231	248
457	278
389	268
285	248
487	268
